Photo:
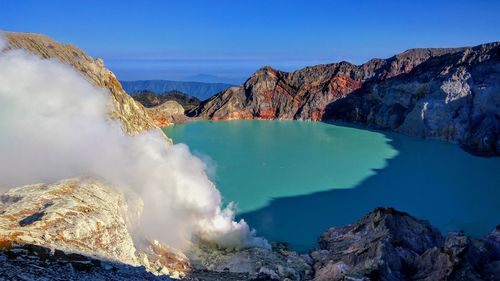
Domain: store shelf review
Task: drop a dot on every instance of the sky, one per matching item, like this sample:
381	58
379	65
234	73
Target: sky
176	40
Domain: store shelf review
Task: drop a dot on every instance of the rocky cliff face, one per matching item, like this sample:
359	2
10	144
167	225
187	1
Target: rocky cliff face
132	114
454	97
304	94
391	245
272	94
448	94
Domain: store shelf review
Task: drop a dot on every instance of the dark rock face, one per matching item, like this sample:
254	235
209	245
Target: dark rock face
32	262
454	97
448	94
304	94
391	245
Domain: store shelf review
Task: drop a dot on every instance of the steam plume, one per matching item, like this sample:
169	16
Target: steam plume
54	125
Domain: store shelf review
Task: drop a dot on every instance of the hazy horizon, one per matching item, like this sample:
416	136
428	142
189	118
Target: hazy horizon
173	40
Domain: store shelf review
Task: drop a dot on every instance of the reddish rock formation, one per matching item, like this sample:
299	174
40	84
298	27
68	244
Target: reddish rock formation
453	97
304	94
447	94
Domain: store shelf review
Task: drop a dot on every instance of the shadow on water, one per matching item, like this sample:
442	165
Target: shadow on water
438	182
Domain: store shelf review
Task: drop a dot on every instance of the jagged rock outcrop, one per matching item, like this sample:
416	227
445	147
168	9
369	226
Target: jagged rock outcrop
448	94
273	94
167	114
454	97
82	216
391	245
304	94
131	113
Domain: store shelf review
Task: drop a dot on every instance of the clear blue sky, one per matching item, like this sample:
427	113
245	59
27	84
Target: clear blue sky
164	39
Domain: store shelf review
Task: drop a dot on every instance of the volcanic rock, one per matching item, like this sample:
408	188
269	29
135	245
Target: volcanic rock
391	245
447	94
132	114
167	114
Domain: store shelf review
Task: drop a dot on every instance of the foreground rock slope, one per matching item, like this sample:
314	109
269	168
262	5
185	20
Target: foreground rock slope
82	216
76	229
391	245
448	94
31	262
151	99
76	215
87	217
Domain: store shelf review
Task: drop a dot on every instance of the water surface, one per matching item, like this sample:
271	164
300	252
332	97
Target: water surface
292	180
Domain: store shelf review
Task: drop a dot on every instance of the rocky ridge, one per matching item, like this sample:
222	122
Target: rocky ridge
304	94
448	94
132	114
453	97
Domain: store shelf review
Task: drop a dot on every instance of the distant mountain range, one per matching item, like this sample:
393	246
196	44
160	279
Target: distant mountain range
199	90
208	78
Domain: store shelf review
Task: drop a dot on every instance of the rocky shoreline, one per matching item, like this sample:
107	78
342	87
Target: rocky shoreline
386	244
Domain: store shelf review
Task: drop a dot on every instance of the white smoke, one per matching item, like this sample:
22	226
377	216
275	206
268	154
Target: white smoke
3	42
54	125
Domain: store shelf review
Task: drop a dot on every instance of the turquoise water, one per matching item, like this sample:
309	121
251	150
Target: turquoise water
291	180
